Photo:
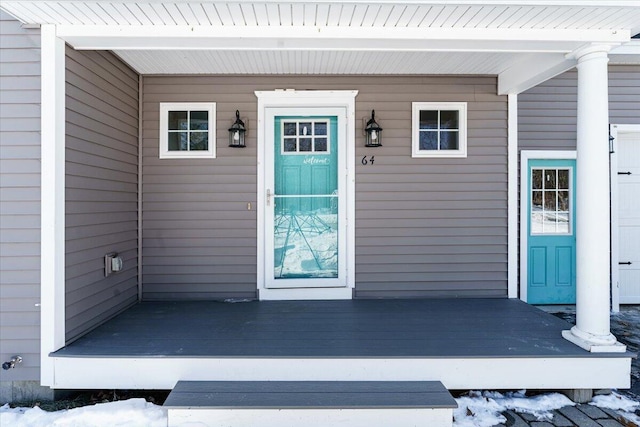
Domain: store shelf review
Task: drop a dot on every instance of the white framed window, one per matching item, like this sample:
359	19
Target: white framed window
187	130
439	129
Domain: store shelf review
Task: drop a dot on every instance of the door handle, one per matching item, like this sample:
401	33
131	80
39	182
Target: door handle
268	196
625	263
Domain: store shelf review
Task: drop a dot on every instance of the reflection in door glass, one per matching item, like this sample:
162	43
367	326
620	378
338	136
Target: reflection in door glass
550	201
305	144
306	237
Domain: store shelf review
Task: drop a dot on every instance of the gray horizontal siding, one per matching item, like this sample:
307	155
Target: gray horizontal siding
624	94
101	187
19	198
424	227
432	227
547	113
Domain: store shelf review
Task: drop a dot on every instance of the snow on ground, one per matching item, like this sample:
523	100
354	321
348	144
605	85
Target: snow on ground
625	325
483	409
477	409
122	413
622	404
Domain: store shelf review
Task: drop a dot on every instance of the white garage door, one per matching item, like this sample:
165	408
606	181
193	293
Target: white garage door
629	216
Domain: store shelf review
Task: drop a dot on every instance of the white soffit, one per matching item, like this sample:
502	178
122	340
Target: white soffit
522	42
317	62
523	14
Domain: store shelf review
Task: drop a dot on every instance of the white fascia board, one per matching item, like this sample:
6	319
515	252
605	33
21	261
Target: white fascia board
105	37
532	72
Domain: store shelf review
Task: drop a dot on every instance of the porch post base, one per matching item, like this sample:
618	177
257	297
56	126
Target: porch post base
578	395
594	343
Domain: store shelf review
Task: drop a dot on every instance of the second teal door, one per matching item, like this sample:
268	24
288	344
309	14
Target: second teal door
551	239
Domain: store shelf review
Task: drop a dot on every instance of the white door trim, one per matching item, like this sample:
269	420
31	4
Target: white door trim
615	219
525	156
294	98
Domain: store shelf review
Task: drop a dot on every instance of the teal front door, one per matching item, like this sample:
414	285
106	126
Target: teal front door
551	240
305	206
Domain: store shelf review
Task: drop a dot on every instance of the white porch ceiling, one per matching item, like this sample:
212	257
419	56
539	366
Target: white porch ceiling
525	14
317	62
522	42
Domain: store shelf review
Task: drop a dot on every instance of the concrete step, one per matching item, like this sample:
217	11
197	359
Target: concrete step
310	404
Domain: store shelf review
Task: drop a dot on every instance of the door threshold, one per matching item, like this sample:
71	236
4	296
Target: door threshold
284	294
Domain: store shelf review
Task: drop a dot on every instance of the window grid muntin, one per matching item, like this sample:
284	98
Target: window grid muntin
187	131
549	189
439	129
287	139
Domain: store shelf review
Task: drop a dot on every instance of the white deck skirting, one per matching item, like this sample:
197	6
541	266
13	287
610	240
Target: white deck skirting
455	373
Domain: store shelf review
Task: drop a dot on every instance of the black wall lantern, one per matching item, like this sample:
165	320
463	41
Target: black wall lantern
236	133
373	132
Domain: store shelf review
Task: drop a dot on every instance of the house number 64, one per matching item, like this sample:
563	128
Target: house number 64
367	161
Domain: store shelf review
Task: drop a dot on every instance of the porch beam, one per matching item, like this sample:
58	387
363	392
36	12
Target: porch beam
136	37
592	330
52	207
533	71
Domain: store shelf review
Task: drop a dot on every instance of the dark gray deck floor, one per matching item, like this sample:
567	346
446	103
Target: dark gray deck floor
417	328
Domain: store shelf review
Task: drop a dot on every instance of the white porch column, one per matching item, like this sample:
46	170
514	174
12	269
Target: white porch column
592	203
52	241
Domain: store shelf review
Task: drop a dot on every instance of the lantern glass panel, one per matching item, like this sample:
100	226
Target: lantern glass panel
236	138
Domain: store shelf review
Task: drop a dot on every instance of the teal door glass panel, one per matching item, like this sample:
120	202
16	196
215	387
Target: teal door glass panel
551	251
306	197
